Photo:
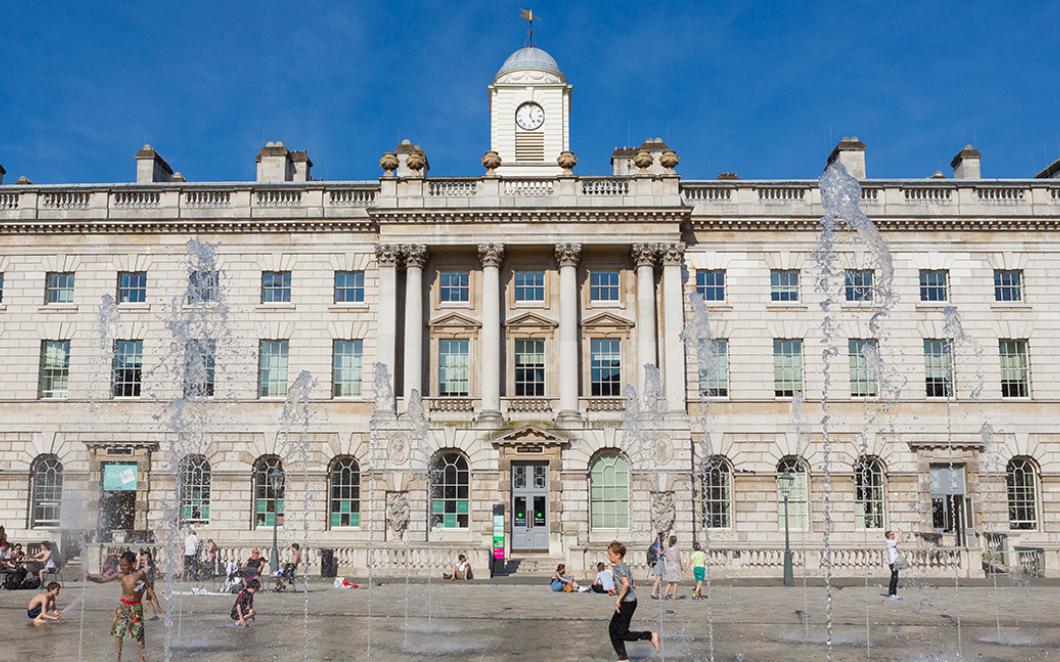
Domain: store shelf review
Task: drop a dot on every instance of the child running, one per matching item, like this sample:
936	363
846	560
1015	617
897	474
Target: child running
625	605
243	609
699	569
129	616
42	608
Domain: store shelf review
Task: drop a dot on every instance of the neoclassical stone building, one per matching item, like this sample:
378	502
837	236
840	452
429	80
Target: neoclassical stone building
520	304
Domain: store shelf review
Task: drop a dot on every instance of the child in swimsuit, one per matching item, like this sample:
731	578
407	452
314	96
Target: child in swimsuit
129	615
42	608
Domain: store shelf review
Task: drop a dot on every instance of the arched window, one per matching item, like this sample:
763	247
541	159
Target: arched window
798	498
868	492
1021	480
46	491
450	487
717	493
194	472
344	487
609	490
269	484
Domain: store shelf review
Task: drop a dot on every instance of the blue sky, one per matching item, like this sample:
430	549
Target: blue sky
763	89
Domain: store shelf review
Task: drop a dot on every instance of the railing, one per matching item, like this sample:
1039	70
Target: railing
528	187
1030	560
452	188
207	199
137	199
604	404
781	194
9	200
455	404
927	194
1000	196
65	200
279	198
870	196
351	197
605	186
707	194
526	405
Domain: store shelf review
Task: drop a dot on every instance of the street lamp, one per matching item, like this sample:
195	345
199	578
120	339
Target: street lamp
276	482
785	481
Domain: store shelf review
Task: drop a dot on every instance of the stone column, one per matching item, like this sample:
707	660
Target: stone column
673	256
568	255
387	258
415	259
491	257
644	256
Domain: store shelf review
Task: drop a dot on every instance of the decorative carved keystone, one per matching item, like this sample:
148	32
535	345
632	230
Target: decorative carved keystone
389	163
669	159
568	255
643	160
491	255
567	161
491	160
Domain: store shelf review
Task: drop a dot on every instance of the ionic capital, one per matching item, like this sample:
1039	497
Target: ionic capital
491	255
387	255
415	255
568	255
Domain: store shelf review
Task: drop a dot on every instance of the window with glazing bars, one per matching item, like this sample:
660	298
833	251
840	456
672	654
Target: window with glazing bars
787	367
603	286
47	491
784	285
127	368
857	284
868	493
272	368
529	286
717	493
1015	371
934	285
276	287
454	367
195	475
346	368
1021	481
199	368
605	367
938	368
798	498
54	368
344	484
1008	285
203	287
450	488
529	367
454	286
269	491
132	286
349	287
714	375
863	353
59	287
710	284
609	491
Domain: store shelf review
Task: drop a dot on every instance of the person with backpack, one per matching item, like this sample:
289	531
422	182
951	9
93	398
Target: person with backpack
657	563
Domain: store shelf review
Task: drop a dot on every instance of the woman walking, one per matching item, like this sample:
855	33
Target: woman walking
673	569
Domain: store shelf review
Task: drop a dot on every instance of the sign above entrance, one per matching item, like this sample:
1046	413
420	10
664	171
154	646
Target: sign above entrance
120	477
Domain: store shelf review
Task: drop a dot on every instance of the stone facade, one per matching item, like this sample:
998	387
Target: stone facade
576	263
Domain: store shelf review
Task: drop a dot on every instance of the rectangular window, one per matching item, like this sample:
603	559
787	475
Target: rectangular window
864	383
346	362
711	284
132	286
54	368
938	368
603	286
349	287
203	287
714	377
455	286
454	367
1015	373
605	367
59	287
1008	285
199	368
934	285
127	368
787	367
272	368
784	285
529	286
529	367
858	285
276	287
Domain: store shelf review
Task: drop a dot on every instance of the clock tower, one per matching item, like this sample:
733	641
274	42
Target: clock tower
529	114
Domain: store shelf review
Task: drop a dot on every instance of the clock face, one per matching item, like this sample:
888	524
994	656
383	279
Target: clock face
529	116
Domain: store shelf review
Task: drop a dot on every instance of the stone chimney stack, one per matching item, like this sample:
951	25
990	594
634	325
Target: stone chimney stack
274	163
850	153
419	166
966	164
303	166
622	161
151	167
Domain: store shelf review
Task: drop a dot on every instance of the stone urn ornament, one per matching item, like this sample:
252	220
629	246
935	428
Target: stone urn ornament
416	161
567	161
669	159
643	160
491	160
389	163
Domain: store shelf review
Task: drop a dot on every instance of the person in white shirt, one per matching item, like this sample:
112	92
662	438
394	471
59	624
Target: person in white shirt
191	554
604	582
891	540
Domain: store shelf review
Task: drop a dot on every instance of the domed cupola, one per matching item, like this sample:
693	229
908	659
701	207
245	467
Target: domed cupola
531	59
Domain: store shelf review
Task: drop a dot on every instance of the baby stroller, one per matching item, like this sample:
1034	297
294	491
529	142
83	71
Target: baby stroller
284	578
235	577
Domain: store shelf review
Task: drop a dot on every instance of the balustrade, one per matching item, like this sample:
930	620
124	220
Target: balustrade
927	194
207	199
605	186
137	199
279	198
773	195
707	194
9	201
351	197
65	200
528	187
453	188
1000	196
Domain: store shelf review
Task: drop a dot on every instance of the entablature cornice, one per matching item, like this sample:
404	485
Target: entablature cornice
187	226
673	215
896	224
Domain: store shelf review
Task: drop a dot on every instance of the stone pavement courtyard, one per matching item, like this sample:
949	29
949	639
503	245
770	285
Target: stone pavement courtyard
526	621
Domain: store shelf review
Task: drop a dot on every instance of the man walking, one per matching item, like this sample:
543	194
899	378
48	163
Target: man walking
191	554
895	560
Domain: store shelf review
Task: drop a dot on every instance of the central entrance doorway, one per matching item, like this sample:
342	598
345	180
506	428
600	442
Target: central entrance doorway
530	506
117	500
951	507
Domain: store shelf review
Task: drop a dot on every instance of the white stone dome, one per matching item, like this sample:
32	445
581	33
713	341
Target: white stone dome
530	58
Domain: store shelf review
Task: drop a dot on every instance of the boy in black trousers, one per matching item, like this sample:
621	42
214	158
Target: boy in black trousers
625	605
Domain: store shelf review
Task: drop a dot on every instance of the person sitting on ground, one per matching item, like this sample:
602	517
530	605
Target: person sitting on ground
561	581
17	554
42	607
48	559
146	563
255	563
243	610
6	560
461	570
604	582
289	568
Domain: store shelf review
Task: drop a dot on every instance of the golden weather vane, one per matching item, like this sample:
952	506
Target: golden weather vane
528	15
